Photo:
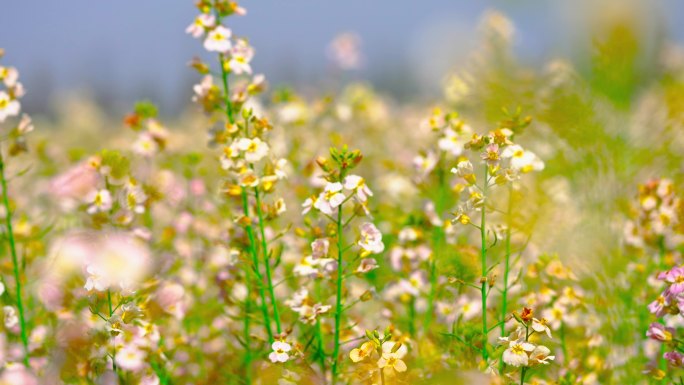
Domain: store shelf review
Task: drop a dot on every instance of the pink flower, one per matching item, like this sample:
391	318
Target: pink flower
675	358
676	278
218	40
659	306
660	332
200	25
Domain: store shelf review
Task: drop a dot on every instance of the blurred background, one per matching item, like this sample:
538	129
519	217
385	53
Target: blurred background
116	52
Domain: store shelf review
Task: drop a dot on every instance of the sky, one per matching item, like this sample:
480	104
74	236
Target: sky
126	50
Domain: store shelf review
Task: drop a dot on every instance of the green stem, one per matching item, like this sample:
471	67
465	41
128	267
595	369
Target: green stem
111	313
338	302
257	271
264	248
412	316
504	299
321	352
246	337
483	249
15	260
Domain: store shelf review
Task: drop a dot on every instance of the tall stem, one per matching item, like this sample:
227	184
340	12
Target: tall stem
248	306
111	313
15	260
257	272
483	249
245	208
338	303
264	251
504	299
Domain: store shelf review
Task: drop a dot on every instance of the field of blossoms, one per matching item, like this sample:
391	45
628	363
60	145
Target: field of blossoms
525	228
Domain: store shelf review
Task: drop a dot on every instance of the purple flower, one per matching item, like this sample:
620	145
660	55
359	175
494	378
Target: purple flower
659	306
675	358
659	332
676	278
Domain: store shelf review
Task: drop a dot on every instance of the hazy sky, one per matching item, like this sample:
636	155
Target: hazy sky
131	49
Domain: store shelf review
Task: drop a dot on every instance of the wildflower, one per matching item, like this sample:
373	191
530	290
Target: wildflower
366	265
361	353
517	353
218	40
8	106
491	154
659	306
240	56
659	332
101	201
330	198
541	326
675	358
11	318
468	308
522	160
358	185
344	51
540	355
452	142
130	357
201	24
319	247
280	352
254	149
371	239
392	354
676	277
9	76
425	164
96	280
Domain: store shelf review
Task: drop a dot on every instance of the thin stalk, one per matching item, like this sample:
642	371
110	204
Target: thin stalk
111	313
248	309
245	207
338	302
412	316
483	249
264	251
255	261
15	261
504	299
321	352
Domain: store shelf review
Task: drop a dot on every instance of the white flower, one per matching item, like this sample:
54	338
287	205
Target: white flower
425	164
319	247
100	201
11	319
240	56
201	23
280	352
330	198
541	326
371	239
9	76
8	106
516	354
218	40
392	356
96	280
358	185
540	355
468	308
130	358
522	160
254	149
452	142
366	265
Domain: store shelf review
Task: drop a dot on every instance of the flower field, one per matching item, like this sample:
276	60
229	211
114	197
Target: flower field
525	227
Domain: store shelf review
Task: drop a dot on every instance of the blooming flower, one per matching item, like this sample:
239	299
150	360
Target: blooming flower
361	353
218	40
330	198
130	357
100	201
358	185
254	149
517	353
201	24
8	106
392	354
371	239
660	332
240	56
280	352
